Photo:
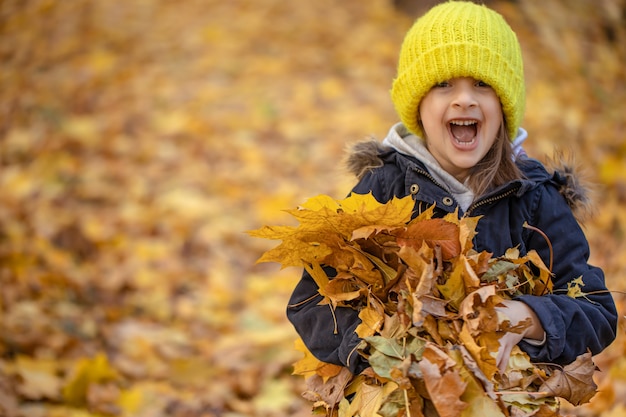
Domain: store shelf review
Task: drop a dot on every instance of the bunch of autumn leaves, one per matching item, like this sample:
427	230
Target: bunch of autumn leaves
427	301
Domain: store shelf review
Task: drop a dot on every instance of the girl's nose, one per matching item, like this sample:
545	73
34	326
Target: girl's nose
464	96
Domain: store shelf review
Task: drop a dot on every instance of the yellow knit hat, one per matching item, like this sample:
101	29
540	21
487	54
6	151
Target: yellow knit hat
459	39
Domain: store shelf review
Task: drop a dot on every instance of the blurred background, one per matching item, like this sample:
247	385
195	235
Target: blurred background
139	140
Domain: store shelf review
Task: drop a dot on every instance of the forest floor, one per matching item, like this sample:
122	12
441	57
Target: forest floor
139	141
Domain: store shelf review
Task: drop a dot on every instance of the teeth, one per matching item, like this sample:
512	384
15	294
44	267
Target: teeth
463	122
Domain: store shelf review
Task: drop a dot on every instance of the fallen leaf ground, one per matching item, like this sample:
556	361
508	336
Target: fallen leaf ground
139	140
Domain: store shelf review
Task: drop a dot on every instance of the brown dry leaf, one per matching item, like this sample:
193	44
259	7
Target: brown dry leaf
443	381
341	289
483	356
9	399
574	382
103	398
367	231
329	390
420	262
435	232
132	158
369	398
38	379
478	310
480	329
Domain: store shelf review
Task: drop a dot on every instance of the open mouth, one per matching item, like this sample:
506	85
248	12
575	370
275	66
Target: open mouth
464	131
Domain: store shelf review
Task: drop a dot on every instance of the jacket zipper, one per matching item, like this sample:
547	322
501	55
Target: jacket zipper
492	199
430	177
477	204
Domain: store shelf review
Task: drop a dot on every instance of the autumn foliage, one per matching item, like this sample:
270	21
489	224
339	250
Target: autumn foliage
428	304
140	139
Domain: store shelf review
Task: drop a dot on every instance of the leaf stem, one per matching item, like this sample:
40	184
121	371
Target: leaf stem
533	228
407	404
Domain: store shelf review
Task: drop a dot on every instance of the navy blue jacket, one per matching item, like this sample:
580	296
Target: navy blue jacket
572	325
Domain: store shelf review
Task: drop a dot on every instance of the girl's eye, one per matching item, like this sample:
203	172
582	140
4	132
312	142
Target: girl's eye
482	84
442	84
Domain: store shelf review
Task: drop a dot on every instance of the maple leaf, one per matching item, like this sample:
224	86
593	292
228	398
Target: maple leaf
369	399
87	245
479	312
498	271
329	390
319	276
419	262
453	290
523	404
467	232
298	246
371	322
543	283
435	232
443	381
87	371
38	378
574	288
424	295
395	212
574	382
341	289
399	401
480	329
309	365
357	210
325	223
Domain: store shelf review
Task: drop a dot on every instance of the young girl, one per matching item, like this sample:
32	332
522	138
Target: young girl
460	96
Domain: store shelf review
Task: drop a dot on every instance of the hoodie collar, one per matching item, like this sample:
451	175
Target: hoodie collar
407	143
400	139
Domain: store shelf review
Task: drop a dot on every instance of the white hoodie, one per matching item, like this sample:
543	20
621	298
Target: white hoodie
400	139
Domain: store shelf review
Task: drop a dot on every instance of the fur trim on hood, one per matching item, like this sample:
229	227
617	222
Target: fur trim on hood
567	174
365	156
575	186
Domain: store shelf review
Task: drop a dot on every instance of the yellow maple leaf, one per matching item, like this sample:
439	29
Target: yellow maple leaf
574	287
396	212
324	223
371	321
369	398
453	289
467	232
309	365
87	371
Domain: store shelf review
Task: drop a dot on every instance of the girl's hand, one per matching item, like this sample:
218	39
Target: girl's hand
516	312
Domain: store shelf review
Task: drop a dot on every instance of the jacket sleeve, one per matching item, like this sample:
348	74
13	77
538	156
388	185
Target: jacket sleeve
330	335
572	325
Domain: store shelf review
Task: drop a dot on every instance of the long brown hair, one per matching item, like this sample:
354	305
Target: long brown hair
496	168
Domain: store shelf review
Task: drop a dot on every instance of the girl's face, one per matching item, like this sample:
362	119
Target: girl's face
461	118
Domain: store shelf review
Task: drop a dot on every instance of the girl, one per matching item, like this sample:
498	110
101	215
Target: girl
460	96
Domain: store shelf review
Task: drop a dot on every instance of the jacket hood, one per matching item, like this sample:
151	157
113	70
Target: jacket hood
561	170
